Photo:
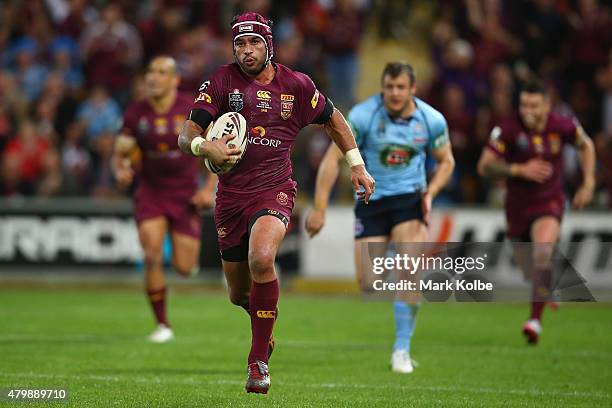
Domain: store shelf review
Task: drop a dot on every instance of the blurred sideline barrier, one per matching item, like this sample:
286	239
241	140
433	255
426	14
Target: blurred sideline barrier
328	258
87	232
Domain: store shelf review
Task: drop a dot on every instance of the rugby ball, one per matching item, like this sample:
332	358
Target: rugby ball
230	123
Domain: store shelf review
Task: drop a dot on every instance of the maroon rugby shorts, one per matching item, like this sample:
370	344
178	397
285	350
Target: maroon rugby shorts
235	214
175	205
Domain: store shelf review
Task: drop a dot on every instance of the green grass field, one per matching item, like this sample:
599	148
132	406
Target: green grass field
331	351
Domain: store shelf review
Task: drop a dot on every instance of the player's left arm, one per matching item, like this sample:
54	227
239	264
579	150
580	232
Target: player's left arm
586	152
440	148
445	164
340	132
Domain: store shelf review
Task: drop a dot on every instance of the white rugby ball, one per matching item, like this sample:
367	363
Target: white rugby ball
230	123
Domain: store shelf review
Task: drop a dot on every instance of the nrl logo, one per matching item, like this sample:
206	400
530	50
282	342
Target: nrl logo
236	100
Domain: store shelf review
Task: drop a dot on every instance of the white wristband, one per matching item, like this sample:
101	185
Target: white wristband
195	145
353	157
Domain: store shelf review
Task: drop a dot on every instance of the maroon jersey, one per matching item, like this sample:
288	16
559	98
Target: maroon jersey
274	113
513	142
164	166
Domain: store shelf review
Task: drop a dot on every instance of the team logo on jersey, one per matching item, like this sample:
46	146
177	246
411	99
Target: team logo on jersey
204	86
396	156
441	139
257	137
179	120
554	139
264	95
203	96
143	126
221	232
161	126
236	100
286	109
315	99
499	146
538	143
282	198
259	130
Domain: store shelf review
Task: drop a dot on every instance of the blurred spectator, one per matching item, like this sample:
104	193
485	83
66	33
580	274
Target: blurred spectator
104	181
13	101
45	119
501	79
29	72
591	38
6	127
494	42
195	53
66	67
112	51
392	16
310	20
160	31
289	46
64	53
604	81
465	148
544	34
65	103
34	22
341	44
457	68
99	114
29	164
72	16
76	163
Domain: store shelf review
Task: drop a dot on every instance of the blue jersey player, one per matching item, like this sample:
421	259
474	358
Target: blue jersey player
394	131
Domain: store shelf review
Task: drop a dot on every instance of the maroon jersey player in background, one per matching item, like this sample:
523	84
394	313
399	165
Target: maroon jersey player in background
528	152
167	195
255	199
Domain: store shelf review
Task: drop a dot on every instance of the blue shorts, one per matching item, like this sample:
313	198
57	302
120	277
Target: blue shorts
379	217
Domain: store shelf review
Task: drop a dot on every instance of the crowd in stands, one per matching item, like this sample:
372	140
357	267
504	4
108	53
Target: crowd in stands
68	68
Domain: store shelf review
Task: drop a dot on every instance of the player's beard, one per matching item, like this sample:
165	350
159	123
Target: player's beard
252	71
531	121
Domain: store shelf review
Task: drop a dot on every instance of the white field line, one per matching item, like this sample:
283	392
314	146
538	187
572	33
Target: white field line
192	381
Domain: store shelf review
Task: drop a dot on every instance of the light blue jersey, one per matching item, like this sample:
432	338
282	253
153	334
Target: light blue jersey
394	150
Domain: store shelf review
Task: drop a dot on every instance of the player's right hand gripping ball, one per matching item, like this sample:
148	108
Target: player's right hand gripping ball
230	123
